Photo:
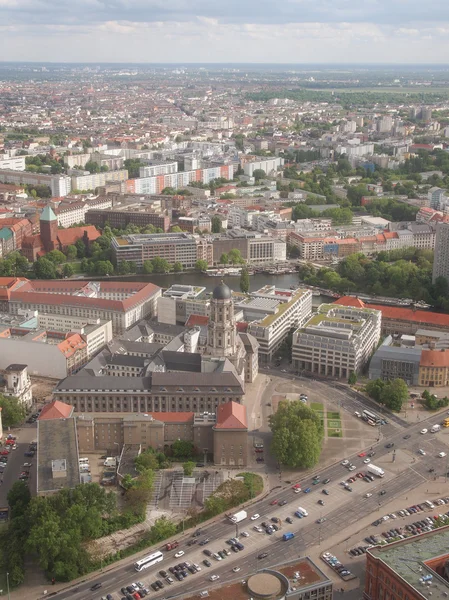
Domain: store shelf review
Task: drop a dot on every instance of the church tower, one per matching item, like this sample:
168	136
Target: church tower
49	228
221	330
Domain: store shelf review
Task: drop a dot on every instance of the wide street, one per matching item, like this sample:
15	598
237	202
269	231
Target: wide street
404	468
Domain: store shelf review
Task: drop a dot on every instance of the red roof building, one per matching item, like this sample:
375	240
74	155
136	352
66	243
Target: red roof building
231	435
231	416
56	410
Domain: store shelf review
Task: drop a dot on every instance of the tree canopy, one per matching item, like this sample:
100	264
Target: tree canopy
297	435
13	411
391	394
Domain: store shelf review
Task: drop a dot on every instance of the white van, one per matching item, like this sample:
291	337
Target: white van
429	504
83	461
357	414
303	511
110	461
84	468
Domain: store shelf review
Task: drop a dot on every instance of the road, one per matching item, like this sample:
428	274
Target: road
16	459
341	509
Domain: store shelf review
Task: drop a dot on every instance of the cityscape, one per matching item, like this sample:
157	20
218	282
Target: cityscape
224	315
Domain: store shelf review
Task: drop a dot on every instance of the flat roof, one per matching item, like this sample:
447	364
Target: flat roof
408	559
57	441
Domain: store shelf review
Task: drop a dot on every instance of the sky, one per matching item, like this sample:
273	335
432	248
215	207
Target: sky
226	31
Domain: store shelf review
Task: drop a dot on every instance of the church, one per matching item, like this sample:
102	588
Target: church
52	238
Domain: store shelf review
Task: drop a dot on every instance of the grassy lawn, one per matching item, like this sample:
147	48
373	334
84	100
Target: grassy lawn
335	433
334	423
333	415
317	407
253	482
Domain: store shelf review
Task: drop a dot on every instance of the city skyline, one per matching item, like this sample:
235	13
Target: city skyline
298	31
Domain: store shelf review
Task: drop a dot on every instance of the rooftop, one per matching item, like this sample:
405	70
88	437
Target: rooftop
57	441
408	559
56	410
231	416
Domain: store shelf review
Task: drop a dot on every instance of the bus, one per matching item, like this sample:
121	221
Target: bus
148	561
371	418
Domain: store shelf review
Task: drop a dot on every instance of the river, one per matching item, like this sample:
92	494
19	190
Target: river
199	279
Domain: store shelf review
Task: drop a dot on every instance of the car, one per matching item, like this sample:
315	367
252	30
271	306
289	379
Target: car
245	534
96	586
221	554
162	573
214	577
307	491
407	437
258	450
258	529
197	533
204	542
200	464
262	555
29	453
27	464
348	488
345	463
368	495
273	502
360	475
442	454
124	591
371	454
179	554
260	459
4	452
367	460
321	520
389	445
191	542
351	480
382	492
325	481
207	552
321	502
236	569
289	520
297	486
282	503
207	563
254	517
422	452
352	468
423	431
325	492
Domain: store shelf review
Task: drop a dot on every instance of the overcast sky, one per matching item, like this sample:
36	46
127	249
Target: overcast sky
285	31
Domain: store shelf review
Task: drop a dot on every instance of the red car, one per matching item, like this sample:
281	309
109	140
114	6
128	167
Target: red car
360	475
297	486
4	452
273	502
362	454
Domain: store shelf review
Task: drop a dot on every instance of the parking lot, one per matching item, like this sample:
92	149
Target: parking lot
13	467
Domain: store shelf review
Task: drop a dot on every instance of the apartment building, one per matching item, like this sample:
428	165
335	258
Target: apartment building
174	247
94	180
255	248
202	224
156	167
13	163
441	258
268	165
74	211
271	313
137	214
336	341
60	185
178	180
122	303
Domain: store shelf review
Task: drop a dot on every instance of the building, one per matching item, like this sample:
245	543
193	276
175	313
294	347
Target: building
231	436
434	368
269	165
60	185
336	341
398	320
173	247
436	198
16	382
392	361
255	248
137	214
123	303
441	258
415	568
271	313
179	302
46	353
180	180
13	163
71	212
51	238
95	180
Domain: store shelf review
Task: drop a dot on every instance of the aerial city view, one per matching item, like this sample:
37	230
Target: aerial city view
224	300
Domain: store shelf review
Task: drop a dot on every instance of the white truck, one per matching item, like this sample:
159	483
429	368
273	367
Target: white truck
435	428
375	470
238	516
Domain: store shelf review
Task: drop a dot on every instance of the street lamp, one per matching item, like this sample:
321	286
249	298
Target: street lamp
7	585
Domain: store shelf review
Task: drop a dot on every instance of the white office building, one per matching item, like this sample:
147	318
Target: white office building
336	341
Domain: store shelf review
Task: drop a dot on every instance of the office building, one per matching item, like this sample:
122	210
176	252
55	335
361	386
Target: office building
271	313
255	248
139	214
441	258
123	303
392	360
415	568
179	302
13	163
336	341
173	247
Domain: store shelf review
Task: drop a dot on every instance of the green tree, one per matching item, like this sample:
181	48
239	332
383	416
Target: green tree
182	449
259	174
244	281
201	265
216	224
297	435
123	268
147	460
176	229
224	259
394	394
44	269
374	388
188	468
19	497
147	267
162	529
80	248
92	167
215	505
71	252
67	270
352	379
104	267
235	257
56	256
160	265
178	267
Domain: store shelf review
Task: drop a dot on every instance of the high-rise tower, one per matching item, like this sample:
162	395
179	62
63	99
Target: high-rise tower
49	228
221	331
